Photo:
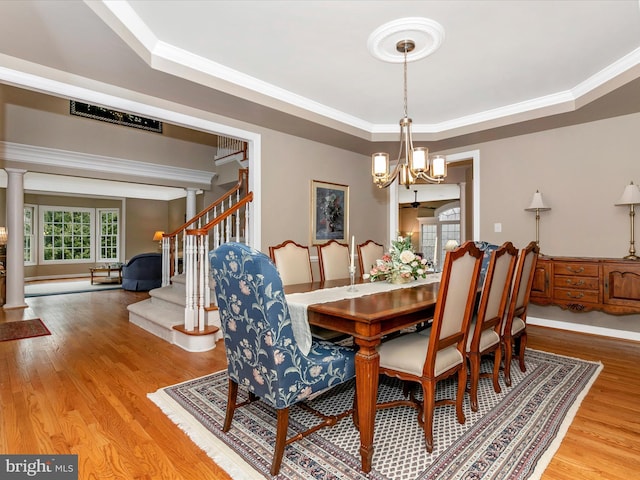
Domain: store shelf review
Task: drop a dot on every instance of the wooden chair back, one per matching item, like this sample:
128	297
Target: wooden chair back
495	293
515	324
455	305
292	261
368	253
333	257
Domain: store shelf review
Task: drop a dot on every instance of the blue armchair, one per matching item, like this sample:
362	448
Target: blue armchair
143	272
487	249
262	354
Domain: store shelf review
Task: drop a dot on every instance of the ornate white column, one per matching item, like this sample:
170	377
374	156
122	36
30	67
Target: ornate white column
191	203
15	240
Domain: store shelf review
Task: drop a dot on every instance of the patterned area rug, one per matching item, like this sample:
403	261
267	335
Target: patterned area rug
512	436
22	329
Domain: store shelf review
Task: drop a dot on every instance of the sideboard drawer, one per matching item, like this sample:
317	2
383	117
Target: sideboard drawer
587	283
574	268
576	295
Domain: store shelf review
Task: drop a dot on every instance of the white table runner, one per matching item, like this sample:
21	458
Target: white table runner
298	303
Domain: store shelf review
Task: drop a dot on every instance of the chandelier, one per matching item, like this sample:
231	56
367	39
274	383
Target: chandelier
413	162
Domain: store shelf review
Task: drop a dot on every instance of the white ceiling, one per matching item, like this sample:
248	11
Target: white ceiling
498	60
303	67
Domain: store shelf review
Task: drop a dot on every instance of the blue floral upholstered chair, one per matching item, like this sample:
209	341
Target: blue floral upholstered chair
262	354
487	249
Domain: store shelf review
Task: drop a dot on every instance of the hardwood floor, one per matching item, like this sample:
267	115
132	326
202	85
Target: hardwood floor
83	390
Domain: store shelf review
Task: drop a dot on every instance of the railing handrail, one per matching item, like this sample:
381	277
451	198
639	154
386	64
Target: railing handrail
230	211
243	174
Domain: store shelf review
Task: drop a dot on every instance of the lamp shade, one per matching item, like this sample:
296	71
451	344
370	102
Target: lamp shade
450	245
630	196
537	204
3	235
157	237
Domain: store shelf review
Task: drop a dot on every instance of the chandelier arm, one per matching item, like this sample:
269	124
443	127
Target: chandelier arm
428	178
391	177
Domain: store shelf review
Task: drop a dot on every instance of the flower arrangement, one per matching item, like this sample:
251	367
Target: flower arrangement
401	264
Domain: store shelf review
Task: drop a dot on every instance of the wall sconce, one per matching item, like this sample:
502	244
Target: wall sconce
631	197
537	205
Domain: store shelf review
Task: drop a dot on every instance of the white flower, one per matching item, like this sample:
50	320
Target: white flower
407	256
365	276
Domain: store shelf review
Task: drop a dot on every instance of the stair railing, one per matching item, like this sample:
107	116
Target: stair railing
226	219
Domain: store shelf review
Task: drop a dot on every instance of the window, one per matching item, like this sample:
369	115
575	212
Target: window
437	230
29	234
108	222
67	234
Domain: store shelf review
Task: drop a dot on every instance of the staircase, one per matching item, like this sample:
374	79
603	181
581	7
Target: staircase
182	311
163	315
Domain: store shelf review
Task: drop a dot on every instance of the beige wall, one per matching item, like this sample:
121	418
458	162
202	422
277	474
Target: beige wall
289	164
43	120
143	219
581	172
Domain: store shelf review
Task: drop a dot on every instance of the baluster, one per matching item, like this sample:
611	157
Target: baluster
201	264
188	262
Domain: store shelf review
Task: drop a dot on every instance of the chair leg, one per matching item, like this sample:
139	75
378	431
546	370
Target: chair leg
281	440
521	347
232	397
428	401
508	354
474	367
462	386
496	369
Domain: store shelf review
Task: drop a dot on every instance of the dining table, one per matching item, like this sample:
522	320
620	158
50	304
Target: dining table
369	318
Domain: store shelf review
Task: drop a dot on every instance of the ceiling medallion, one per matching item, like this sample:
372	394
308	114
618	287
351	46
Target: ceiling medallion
426	34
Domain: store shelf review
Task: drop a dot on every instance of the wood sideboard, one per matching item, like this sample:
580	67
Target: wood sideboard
583	284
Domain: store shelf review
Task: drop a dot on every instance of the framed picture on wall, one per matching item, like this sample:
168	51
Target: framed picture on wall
329	212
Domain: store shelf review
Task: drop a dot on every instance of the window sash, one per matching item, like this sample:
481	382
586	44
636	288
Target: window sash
108	235
67	235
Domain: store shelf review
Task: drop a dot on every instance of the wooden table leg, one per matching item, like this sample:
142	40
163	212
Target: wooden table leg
367	370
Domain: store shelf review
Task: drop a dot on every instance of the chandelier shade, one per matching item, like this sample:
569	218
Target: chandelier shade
413	163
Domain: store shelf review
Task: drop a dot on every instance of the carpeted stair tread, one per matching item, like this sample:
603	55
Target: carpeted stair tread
174	294
162	313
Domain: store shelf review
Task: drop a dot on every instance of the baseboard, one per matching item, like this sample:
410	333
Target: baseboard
577	327
57	277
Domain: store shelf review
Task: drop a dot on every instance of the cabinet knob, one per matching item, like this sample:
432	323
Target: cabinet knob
575	270
578	283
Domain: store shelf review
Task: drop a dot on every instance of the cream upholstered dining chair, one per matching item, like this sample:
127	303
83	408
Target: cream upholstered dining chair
263	357
486	327
515	325
333	257
293	262
428	359
368	253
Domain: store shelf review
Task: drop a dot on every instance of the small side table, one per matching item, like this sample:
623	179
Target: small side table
108	278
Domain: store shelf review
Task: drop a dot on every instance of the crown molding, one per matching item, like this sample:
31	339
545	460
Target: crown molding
34	155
